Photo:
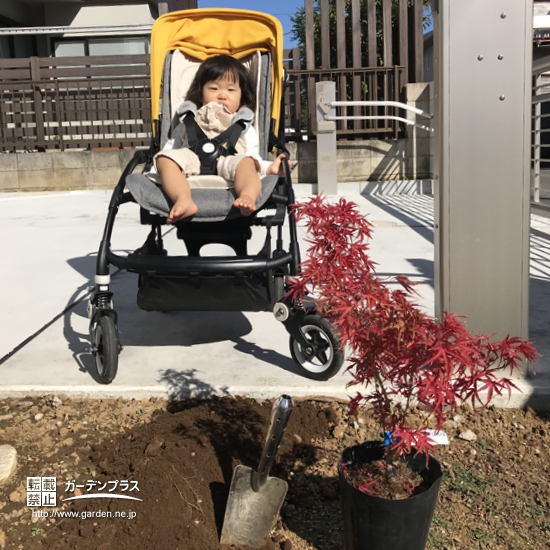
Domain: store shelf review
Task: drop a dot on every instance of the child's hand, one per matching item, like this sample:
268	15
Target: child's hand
276	167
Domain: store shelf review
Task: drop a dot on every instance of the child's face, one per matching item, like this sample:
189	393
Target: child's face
224	91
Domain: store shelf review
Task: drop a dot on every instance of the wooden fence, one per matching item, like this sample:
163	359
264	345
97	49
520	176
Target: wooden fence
75	102
370	48
379	83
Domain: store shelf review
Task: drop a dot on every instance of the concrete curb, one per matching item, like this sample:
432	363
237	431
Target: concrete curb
532	395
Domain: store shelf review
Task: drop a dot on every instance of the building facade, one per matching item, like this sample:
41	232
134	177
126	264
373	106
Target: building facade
58	28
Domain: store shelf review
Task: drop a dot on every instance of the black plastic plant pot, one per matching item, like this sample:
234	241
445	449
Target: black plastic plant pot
375	523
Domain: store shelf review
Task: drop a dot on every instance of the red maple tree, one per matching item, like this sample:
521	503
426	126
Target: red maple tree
398	353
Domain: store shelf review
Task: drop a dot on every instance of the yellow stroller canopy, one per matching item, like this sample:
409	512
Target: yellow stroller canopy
202	33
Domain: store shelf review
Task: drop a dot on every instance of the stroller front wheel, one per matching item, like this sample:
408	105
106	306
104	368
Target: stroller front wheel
324	357
106	347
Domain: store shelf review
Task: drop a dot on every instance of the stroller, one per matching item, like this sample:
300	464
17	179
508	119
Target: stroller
243	282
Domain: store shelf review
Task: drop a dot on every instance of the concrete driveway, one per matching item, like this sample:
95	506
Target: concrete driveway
49	244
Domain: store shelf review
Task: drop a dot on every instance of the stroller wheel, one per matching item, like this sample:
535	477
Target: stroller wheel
324	358
106	347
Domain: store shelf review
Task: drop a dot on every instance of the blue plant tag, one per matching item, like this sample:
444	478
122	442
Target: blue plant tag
388	439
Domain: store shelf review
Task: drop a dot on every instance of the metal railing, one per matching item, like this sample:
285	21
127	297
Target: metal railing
326	128
395	104
359	84
540	132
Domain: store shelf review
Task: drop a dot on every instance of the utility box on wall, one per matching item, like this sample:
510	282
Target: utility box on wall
482	99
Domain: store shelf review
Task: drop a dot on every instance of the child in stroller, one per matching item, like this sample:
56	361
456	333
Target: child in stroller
182	43
220	88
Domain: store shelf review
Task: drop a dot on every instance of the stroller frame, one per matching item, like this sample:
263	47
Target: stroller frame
245	282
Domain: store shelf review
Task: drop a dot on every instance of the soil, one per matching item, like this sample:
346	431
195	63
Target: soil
394	481
495	492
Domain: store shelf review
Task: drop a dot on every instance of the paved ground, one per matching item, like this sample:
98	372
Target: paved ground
48	262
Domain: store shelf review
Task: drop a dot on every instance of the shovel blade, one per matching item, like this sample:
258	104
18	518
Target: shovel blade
250	516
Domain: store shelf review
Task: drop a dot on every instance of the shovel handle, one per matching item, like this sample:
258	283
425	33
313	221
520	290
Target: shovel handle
280	415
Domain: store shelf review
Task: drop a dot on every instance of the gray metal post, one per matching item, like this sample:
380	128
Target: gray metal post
325	92
483	60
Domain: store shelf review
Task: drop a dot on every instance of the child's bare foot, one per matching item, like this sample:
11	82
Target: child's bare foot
183	208
245	204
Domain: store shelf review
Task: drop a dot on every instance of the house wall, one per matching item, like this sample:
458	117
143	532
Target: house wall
541	9
66	14
75	15
18	12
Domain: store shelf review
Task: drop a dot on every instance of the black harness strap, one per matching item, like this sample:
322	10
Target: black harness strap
231	136
208	150
195	133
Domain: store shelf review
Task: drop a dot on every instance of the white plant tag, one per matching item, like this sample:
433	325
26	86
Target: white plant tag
438	437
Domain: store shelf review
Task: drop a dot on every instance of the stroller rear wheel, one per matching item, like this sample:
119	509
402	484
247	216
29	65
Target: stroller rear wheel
106	347
323	359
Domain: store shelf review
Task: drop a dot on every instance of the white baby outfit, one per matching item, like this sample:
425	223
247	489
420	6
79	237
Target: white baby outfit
214	118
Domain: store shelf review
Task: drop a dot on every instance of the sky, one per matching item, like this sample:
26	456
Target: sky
281	9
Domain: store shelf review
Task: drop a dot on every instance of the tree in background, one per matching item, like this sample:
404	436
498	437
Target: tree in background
299	30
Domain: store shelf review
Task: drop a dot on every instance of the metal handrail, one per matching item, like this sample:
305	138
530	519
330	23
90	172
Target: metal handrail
396	104
326	129
380	104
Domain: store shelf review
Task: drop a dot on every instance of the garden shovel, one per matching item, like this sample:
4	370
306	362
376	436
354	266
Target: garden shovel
254	498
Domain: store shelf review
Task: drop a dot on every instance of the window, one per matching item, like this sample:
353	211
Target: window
69	48
5	47
118	46
131	45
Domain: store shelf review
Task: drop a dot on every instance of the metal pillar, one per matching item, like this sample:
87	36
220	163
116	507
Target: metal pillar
325	94
483	60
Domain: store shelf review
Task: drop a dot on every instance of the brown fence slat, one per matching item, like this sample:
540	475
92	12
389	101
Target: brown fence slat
297	93
341	52
80	72
372	59
310	30
15	74
356	56
37	96
14	63
310	60
58	67
387	32
371	33
325	34
387	46
404	40
288	92
93	60
416	72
